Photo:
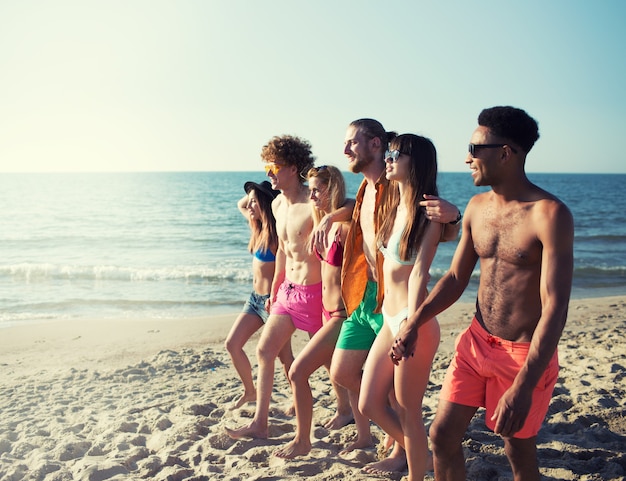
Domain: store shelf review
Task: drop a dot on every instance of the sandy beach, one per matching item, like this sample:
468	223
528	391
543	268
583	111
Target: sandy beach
124	400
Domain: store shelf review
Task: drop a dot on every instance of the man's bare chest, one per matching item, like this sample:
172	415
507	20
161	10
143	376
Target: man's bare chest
506	236
367	214
294	223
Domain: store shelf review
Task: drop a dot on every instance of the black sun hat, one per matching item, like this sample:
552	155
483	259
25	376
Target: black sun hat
264	187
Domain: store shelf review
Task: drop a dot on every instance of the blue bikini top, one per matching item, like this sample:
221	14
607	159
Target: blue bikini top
265	256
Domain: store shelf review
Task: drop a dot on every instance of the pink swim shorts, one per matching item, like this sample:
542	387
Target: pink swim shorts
302	303
484	367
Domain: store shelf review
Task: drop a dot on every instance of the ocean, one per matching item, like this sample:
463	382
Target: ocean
174	245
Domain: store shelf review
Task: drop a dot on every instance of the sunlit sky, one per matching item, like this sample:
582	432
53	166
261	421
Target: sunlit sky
178	85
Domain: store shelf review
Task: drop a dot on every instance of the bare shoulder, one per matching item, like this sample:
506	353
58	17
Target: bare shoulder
551	213
278	200
476	201
277	203
548	204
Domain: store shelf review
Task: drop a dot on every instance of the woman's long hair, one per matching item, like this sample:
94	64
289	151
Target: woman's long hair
333	179
422	179
264	236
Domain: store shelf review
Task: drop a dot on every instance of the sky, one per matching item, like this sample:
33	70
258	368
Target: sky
182	85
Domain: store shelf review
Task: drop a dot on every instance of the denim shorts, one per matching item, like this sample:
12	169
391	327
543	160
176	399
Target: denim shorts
256	305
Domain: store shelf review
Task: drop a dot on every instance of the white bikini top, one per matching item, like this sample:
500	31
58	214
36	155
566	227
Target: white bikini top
392	251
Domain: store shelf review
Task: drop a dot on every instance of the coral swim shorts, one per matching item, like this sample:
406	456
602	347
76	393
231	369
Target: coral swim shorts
484	367
302	303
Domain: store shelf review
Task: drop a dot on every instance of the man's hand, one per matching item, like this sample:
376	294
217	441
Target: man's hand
512	411
319	235
439	210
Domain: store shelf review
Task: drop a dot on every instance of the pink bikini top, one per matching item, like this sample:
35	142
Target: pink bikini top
335	252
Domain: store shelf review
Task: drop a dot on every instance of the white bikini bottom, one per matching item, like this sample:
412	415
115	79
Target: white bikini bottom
394	321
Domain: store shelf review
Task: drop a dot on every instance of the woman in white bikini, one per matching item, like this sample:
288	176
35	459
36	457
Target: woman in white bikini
407	242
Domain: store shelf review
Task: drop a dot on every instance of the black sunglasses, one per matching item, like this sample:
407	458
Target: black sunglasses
472	147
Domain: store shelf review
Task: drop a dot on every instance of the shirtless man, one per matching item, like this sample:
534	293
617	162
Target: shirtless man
523	238
296	296
365	144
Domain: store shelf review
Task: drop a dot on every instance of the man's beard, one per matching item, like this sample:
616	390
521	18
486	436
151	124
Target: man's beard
357	166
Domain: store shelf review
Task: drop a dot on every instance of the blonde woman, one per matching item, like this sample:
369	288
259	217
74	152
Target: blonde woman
328	194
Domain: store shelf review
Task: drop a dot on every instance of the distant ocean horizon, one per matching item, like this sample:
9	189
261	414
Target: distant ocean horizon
173	245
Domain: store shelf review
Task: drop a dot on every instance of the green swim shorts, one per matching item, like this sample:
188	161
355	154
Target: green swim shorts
360	329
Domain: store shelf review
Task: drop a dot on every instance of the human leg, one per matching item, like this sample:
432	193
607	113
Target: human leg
345	370
376	385
315	354
343	415
355	340
244	327
276	334
522	454
286	357
363	434
374	402
446	434
346	366
411	381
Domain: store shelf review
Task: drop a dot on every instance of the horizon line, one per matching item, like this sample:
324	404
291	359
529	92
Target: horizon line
44	172
100	172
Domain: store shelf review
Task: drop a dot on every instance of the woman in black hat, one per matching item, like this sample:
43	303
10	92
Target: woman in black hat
256	206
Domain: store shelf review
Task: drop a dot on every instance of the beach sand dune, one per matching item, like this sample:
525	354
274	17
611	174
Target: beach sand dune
126	400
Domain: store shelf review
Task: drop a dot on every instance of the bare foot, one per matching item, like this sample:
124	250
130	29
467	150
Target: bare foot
359	443
249	431
339	420
395	463
244	399
293	449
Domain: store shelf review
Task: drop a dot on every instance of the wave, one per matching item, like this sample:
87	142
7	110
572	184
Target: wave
600	271
608	238
30	272
114	309
232	271
580	271
437	273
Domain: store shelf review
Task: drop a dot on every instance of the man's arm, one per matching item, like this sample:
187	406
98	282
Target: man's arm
281	258
279	271
444	294
442	211
319	236
556	233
